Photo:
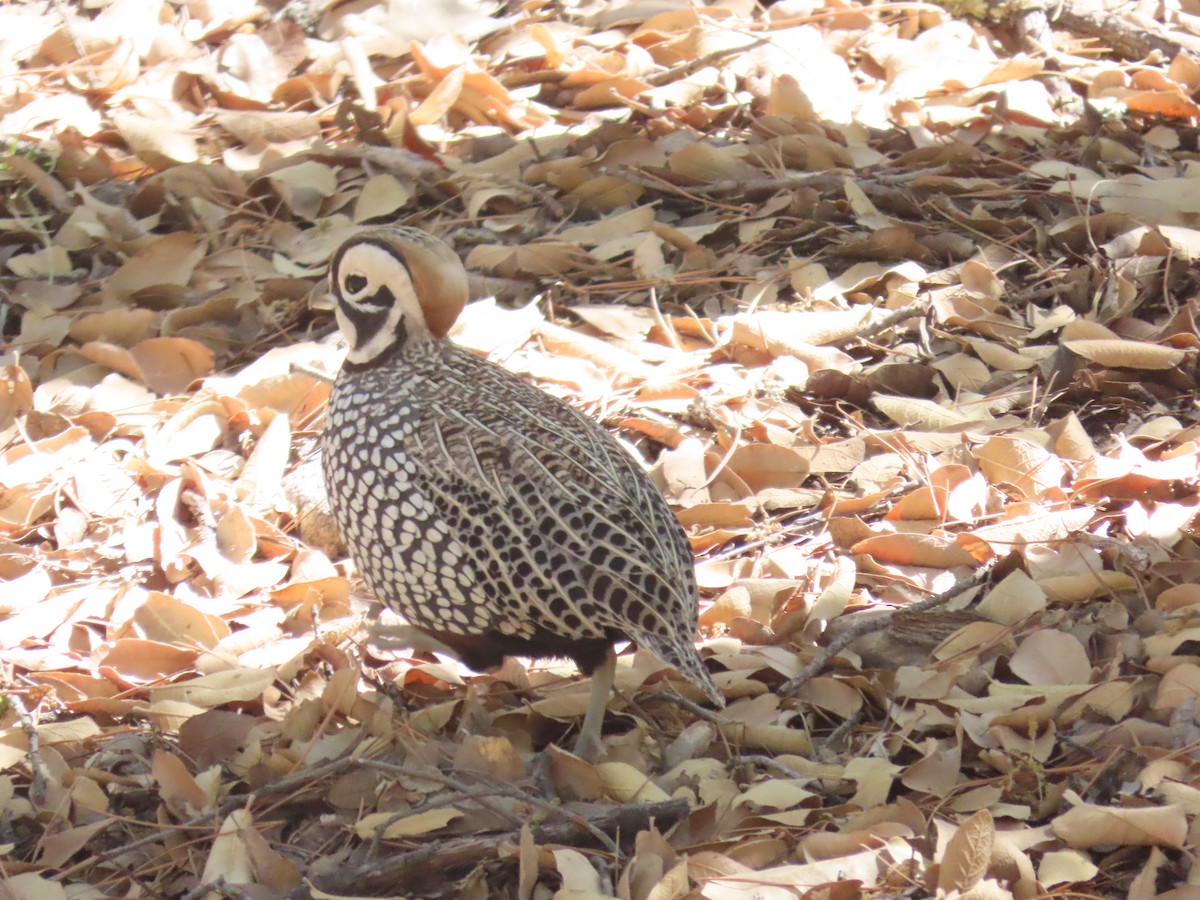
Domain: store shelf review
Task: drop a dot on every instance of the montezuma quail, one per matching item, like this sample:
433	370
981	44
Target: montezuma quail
493	517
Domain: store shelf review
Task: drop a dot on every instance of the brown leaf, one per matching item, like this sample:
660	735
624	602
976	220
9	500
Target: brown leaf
914	550
1087	825
1051	657
1127	354
176	786
967	854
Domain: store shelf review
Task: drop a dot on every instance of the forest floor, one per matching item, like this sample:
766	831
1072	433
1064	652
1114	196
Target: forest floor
899	308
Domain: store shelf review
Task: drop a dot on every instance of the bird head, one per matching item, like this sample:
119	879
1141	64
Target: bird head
393	286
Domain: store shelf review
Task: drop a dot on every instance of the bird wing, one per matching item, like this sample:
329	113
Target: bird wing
581	512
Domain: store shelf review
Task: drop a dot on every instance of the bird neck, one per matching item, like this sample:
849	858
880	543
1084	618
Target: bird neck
414	348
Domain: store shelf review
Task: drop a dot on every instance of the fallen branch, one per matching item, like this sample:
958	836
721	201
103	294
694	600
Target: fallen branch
894	317
405	871
658	79
879	623
1125	37
205	820
497	788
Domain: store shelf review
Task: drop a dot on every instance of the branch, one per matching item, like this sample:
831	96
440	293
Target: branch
437	859
868	626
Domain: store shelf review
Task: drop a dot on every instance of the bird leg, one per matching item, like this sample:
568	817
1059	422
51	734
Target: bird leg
588	746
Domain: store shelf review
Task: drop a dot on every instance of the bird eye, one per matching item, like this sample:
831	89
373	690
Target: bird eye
355	284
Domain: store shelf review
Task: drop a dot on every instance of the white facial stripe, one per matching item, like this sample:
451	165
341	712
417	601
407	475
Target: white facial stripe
349	331
383	273
377	343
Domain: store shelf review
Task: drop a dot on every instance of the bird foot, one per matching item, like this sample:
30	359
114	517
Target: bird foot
588	747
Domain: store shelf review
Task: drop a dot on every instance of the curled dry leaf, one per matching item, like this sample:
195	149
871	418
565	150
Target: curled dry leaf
624	783
579	876
137	661
1127	354
50	263
1021	463
914	550
1016	597
165	619
197	428
763	466
913	412
1087	825
157	142
232	686
1051	657
1064	867
32	886
388	826
177	788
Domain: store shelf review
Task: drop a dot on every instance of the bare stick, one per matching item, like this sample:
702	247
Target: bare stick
304	778
312	372
894	317
869	626
493	788
440	857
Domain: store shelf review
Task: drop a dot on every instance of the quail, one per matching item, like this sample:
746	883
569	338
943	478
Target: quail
493	517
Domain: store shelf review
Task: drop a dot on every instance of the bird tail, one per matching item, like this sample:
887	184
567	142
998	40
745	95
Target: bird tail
681	654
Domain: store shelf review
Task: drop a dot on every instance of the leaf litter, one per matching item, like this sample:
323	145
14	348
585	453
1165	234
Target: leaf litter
897	308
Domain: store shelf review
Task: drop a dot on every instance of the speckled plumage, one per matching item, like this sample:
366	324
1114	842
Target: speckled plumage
489	514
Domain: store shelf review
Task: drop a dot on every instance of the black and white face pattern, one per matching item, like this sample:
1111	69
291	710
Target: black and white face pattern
377	307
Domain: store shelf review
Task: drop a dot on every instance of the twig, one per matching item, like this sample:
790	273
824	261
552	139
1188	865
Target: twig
796	523
844	728
312	372
694	708
870	329
495	788
869	626
766	762
1125	38
658	79
37	789
441	857
668	328
305	778
823	181
656	732
482	797
820	180
218	888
